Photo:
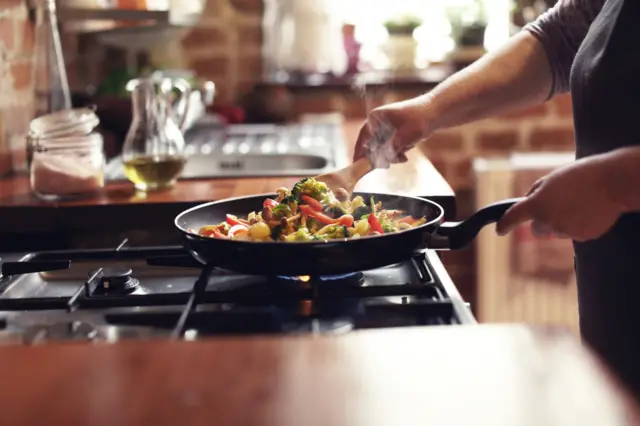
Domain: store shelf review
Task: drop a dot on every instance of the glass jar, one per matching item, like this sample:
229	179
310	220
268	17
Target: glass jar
67	167
62	124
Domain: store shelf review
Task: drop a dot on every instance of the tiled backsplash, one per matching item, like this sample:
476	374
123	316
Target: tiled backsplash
226	46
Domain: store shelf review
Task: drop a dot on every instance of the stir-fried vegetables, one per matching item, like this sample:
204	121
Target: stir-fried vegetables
311	212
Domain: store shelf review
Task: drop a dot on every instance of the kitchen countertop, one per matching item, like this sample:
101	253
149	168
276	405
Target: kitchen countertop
119	212
416	177
459	375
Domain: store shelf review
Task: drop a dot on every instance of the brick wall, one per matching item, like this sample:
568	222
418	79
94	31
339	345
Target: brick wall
16	47
226	46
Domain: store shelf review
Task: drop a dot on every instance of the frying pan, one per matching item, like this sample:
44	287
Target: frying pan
332	257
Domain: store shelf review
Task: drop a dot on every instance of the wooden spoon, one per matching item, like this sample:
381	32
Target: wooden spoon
347	177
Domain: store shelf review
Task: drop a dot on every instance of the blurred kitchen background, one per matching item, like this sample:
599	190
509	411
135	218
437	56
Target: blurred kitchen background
274	61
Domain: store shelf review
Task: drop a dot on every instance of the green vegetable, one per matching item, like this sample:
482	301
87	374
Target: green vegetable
302	234
361	212
281	210
372	205
335	211
388	228
313	224
296	191
307	186
336	232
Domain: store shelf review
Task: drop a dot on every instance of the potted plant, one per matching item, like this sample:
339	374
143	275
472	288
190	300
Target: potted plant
403	26
401	46
468	25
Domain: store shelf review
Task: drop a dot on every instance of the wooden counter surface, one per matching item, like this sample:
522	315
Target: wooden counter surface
475	375
417	177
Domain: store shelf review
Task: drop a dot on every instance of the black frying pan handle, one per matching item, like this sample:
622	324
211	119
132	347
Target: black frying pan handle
459	234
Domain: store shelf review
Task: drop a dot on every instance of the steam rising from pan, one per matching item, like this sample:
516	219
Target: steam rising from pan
381	131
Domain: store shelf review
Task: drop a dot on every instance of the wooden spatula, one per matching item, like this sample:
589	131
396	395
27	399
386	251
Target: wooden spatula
347	177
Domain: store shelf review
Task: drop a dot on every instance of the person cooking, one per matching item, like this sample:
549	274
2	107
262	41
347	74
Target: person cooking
587	47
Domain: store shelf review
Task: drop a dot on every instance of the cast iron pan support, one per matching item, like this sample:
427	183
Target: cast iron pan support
457	235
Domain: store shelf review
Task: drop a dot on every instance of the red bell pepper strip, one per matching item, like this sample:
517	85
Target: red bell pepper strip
346	220
213	232
219	234
374	224
233	221
270	203
320	217
312	202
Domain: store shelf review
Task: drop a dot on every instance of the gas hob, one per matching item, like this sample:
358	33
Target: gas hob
162	292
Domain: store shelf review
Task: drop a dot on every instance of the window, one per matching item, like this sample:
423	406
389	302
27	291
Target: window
438	18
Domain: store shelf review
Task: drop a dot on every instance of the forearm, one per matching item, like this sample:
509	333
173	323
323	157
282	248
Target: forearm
513	77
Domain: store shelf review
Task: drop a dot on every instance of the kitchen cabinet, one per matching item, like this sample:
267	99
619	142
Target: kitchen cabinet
522	278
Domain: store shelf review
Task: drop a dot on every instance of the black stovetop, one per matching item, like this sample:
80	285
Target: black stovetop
161	292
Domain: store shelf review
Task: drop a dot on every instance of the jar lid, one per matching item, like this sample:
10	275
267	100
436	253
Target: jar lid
69	122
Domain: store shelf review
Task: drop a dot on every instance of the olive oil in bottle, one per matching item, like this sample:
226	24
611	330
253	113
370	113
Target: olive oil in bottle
150	173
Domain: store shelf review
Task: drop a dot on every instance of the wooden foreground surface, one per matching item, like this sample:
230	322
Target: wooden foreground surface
475	375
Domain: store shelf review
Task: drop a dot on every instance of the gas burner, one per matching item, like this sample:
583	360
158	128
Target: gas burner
353	279
115	281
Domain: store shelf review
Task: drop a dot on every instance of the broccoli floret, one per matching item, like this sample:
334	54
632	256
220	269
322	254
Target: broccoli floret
301	234
306	186
310	187
281	210
386	227
290	199
360	212
334	211
296	191
337	231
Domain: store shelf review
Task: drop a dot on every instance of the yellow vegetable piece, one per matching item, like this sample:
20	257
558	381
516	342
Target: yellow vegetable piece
259	231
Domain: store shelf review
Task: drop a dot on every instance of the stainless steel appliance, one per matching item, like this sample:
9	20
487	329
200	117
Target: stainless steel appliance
304	149
139	293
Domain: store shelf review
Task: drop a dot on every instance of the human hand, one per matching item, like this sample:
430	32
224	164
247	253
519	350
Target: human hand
392	130
573	201
539	229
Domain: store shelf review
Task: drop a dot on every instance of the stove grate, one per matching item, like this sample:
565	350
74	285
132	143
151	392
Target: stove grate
429	303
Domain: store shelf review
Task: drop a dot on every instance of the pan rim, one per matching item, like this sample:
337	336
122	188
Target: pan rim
436	221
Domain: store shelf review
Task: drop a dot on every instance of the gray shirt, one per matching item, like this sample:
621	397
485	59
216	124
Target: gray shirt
561	31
